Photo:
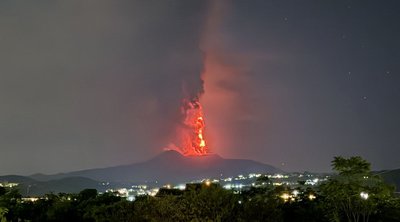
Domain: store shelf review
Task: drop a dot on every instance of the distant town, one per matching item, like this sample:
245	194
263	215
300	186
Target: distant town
237	184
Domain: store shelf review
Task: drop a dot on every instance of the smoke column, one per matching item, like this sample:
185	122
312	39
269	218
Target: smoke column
224	77
201	130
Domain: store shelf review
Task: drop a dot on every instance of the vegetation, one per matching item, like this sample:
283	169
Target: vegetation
353	194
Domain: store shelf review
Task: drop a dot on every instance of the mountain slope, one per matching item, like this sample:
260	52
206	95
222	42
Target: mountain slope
172	167
392	177
30	187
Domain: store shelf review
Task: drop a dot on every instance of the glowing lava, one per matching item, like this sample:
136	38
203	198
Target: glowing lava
192	133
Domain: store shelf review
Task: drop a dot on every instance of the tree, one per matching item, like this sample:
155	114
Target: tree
201	202
10	201
2	191
210	203
3	212
261	207
352	166
87	194
354	193
262	202
388	211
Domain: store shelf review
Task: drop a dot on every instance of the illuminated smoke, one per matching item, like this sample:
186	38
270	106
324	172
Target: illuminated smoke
190	132
219	91
193	138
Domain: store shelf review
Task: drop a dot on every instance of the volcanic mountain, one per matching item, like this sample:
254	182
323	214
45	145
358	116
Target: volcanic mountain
170	167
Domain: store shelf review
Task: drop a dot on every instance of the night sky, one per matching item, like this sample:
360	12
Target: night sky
87	84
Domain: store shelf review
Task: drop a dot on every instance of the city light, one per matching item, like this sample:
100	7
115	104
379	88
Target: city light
364	195
285	197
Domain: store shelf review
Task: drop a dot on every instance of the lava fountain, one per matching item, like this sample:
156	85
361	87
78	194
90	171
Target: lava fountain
190	132
192	129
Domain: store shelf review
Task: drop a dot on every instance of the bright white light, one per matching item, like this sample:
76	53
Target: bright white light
153	192
228	186
364	195
279	176
180	187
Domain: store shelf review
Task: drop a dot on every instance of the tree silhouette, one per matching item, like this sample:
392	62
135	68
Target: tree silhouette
355	192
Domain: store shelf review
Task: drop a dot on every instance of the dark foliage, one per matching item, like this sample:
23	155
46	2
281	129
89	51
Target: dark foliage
338	199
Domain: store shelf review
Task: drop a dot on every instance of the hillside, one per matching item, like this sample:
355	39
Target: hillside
31	187
392	177
170	167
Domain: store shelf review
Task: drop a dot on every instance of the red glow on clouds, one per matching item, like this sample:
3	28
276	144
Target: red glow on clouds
224	78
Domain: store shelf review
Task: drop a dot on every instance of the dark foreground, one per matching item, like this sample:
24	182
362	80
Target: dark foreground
354	194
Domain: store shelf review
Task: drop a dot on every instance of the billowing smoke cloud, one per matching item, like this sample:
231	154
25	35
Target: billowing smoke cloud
225	80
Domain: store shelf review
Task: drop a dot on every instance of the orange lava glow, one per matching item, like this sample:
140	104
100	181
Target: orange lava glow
192	134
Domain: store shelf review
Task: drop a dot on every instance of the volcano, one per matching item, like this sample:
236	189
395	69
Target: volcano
171	167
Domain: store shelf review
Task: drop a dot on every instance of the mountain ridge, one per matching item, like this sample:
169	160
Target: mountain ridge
169	166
